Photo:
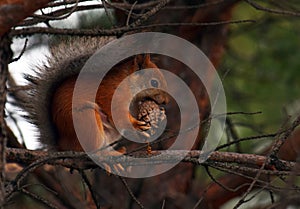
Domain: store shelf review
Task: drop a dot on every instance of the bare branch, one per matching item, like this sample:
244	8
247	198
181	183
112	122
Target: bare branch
92	191
131	193
11	14
275	148
38	198
5	57
274	11
116	31
82	161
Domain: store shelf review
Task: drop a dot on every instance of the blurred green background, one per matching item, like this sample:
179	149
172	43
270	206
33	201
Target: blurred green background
262	62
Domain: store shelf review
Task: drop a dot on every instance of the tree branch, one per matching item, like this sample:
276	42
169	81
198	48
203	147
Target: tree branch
80	160
12	13
5	57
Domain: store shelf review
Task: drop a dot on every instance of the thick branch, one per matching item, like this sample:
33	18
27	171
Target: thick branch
80	160
12	13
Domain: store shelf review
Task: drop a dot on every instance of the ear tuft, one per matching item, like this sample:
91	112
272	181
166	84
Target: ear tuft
142	60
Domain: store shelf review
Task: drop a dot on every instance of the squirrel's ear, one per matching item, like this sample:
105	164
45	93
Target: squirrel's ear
147	59
141	60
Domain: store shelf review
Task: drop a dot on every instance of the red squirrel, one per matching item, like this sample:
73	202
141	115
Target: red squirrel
50	100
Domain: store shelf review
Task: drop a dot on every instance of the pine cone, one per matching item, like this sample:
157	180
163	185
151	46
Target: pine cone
152	114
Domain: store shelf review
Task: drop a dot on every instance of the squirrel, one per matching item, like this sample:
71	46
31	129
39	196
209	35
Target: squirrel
49	103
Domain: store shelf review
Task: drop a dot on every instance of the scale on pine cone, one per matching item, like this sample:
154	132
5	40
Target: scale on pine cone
154	116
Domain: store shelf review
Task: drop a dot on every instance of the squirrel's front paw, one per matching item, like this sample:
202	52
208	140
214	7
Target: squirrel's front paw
113	167
139	125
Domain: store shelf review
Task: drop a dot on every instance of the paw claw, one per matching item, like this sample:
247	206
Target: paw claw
154	125
138	124
116	168
145	134
141	123
145	128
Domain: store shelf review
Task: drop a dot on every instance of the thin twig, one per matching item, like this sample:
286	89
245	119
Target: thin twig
163	204
131	193
280	141
247	139
243	113
273	152
22	52
51	17
92	191
38	198
233	133
106	12
15	121
198	203
217	182
130	13
274	11
115	31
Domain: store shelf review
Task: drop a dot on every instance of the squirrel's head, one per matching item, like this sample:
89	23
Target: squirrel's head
150	80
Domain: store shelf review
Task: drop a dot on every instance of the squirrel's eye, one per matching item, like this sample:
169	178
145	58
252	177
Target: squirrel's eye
154	83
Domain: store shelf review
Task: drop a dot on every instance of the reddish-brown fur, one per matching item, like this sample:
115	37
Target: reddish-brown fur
95	134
